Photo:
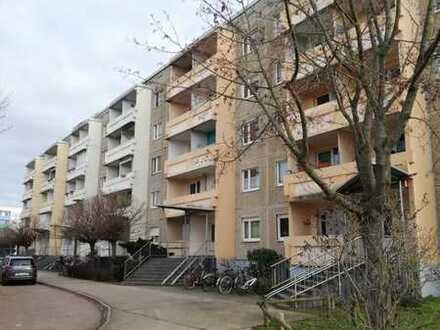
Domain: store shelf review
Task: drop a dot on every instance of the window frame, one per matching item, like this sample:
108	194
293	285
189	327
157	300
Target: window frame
154	199
156	166
334	161
248	232
157	131
247	187
278	218
156	99
437	6
278	182
277	72
247	133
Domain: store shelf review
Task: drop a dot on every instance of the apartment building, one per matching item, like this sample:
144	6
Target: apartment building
31	196
9	216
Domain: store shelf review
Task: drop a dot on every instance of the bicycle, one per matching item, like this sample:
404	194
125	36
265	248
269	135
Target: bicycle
194	278
241	281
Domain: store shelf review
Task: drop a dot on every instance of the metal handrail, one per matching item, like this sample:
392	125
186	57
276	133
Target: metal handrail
138	258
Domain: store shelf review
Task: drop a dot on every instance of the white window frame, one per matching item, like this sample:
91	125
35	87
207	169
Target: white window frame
279	179
157	131
279	217
277	72
156	99
246	47
156	165
154	199
278	27
334	160
246	132
246	186
248	232
246	92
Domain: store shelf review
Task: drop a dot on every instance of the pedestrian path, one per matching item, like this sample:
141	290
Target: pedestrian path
135	307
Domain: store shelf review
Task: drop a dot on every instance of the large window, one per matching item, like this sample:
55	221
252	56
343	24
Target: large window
327	158
250	179
251	229
281	171
194	188
249	132
157	131
282	227
154	199
155	165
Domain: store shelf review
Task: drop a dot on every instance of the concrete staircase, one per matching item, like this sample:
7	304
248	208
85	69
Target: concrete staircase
153	271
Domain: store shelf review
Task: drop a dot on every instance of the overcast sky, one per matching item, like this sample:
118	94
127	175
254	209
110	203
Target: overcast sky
59	63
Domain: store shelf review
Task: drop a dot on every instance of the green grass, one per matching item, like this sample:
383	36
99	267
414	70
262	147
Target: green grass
425	316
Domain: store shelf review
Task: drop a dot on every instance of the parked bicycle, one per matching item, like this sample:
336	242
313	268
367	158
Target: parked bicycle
200	277
240	280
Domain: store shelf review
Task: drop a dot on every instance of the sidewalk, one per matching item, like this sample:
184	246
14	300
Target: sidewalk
163	307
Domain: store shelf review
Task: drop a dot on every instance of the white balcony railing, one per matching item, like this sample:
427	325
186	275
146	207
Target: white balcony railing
120	183
46	207
29	176
120	151
79	146
50	163
26	212
27	194
74	196
48	185
120	121
79	170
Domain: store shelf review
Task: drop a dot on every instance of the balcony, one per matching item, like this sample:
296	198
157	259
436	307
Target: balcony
79	170
120	183
46	207
121	121
120	151
79	146
190	119
27	195
191	162
198	73
74	196
205	200
48	185
50	163
299	185
29	176
26	213
43	224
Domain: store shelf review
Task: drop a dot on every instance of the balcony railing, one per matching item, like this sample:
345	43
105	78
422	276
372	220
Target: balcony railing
27	194
29	176
121	121
79	146
26	212
48	185
198	73
79	170
191	162
120	151
50	163
190	119
205	200
46	207
119	183
74	196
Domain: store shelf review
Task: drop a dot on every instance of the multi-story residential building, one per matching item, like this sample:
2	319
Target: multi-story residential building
31	197
52	193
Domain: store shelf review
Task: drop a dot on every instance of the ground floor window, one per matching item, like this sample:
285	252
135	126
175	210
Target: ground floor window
282	227
251	229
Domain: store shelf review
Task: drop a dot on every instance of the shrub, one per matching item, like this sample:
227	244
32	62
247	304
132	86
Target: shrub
133	246
263	259
98	269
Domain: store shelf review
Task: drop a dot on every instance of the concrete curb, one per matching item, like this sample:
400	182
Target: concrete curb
104	308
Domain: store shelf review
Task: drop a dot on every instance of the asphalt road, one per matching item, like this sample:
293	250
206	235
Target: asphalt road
38	307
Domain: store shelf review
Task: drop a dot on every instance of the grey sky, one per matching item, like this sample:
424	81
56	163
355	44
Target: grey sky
59	63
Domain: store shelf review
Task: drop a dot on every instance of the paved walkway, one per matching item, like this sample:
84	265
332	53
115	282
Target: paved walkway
165	308
38	307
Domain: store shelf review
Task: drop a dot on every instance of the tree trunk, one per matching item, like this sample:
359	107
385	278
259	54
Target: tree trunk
378	289
92	249
75	248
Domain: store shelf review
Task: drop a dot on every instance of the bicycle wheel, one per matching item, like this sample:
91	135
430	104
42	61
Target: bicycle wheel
240	285
208	281
225	284
189	281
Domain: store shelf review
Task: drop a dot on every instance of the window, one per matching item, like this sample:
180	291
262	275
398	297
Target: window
249	132
436	60
251	229
246	47
246	91
282	227
154	199
400	145
322	99
327	158
437	5
281	170
155	165
156	98
277	25
157	131
277	74
250	179
194	188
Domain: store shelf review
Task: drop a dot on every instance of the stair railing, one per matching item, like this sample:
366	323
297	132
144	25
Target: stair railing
137	259
280	271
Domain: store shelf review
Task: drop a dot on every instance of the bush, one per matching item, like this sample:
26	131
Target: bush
262	286
133	246
263	259
105	269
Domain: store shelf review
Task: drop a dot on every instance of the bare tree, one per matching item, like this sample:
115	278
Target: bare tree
374	64
24	236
